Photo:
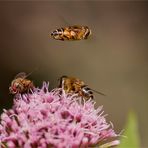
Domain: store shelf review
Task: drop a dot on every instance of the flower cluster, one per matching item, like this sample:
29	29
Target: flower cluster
43	119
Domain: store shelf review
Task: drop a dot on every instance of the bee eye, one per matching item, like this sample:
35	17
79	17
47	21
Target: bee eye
12	90
16	85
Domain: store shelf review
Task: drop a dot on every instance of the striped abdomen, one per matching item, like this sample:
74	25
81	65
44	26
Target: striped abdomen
87	92
71	33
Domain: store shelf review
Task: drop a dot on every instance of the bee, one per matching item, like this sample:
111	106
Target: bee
71	33
77	86
21	84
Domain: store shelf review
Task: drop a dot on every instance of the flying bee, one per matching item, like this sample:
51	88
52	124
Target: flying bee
71	33
77	86
21	84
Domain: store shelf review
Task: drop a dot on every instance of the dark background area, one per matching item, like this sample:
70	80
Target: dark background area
114	60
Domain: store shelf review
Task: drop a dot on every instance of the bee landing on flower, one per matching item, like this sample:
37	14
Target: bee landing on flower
73	85
21	84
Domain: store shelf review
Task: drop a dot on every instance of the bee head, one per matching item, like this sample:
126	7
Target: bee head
16	87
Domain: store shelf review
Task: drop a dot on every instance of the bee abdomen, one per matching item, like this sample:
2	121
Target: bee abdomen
87	92
56	34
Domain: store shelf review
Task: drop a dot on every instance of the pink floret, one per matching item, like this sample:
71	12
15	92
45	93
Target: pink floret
45	118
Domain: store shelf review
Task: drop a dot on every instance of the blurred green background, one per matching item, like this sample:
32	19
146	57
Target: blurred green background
114	60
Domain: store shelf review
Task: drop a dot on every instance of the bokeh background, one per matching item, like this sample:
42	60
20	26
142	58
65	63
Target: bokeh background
114	60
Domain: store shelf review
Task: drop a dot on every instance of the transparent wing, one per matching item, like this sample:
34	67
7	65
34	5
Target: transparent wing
21	75
98	92
64	21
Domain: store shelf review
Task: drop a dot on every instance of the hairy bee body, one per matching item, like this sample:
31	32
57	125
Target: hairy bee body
71	33
20	84
76	86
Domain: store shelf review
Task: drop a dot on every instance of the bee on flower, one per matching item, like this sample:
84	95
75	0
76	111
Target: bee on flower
20	84
77	86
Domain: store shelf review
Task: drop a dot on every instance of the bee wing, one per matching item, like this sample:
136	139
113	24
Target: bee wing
64	20
21	75
98	92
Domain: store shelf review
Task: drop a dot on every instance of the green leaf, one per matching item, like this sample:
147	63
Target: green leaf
131	139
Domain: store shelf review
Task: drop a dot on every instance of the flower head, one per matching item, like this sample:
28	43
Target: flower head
53	119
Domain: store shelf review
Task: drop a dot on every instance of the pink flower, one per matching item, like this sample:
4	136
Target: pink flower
53	119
